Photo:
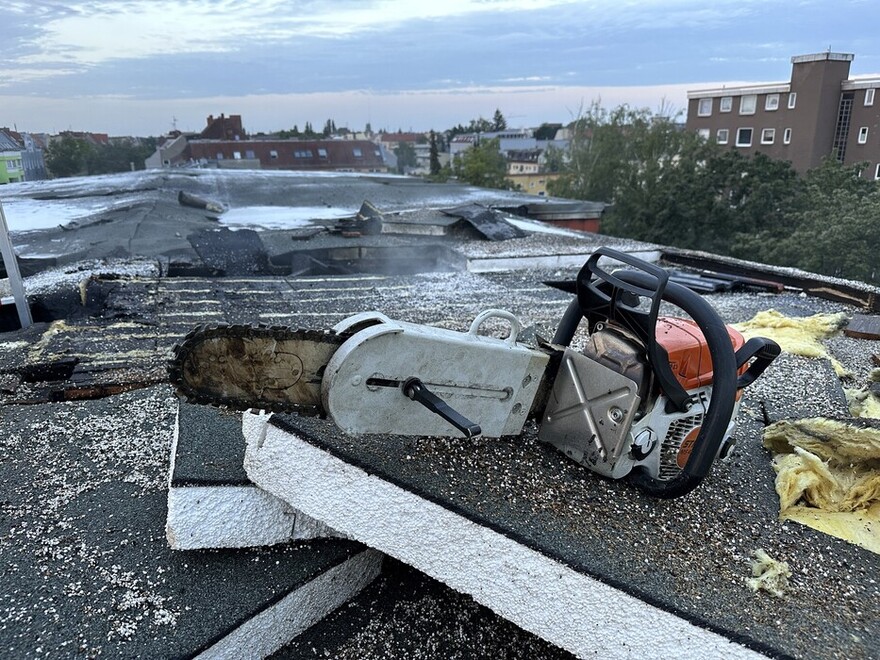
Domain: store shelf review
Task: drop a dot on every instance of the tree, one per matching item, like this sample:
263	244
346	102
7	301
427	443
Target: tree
554	159
832	228
406	157
547	131
67	156
499	123
119	155
434	156
483	165
670	187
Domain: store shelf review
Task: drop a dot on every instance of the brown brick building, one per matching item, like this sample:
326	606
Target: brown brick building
331	155
818	113
225	144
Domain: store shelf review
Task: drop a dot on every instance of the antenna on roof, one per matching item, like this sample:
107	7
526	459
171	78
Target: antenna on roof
174	122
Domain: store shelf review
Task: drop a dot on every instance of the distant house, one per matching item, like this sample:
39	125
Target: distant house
461	143
523	161
21	156
224	128
819	112
523	169
393	140
11	167
240	152
333	155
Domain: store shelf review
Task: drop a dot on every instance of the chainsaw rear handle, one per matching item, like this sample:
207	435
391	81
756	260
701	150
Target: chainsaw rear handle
763	350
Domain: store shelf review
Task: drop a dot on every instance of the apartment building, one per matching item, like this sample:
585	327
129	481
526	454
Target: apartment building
11	167
820	112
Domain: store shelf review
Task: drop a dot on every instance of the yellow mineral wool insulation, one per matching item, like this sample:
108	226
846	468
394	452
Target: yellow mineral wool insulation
862	403
859	527
803	476
769	574
828	477
827	438
799	336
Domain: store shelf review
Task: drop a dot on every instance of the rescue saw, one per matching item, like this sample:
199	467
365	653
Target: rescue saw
650	398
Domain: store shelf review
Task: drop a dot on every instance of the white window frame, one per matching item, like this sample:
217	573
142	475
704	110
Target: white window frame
792	100
722	136
236	155
863	135
701	105
748	104
786	136
771	103
768	135
273	154
725	104
869	96
877	173
704	133
739	143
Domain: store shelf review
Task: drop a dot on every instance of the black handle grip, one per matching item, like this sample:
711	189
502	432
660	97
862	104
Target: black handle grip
414	389
763	350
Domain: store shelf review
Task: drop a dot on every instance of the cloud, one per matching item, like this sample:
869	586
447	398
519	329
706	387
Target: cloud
178	53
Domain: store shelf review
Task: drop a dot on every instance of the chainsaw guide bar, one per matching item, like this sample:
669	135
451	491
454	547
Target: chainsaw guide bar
272	368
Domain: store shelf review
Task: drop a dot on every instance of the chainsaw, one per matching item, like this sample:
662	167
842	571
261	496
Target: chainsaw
650	398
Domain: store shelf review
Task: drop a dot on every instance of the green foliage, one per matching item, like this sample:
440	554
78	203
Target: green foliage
71	156
67	156
434	156
554	160
833	226
499	123
668	186
480	125
406	157
119	156
292	133
547	131
483	165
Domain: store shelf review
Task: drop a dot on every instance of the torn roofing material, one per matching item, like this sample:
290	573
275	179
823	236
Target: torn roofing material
821	286
489	223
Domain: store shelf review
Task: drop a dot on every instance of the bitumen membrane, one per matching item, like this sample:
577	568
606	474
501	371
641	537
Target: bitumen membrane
86	567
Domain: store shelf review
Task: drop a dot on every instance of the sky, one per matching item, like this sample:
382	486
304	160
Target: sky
145	67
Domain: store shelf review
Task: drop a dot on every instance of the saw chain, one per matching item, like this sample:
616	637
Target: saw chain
272	368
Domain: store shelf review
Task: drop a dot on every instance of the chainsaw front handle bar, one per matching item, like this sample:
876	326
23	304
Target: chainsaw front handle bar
651	281
724	388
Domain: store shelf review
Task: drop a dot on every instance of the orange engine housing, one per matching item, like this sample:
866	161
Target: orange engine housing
688	351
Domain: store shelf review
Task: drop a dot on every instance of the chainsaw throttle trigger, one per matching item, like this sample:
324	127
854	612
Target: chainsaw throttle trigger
414	389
